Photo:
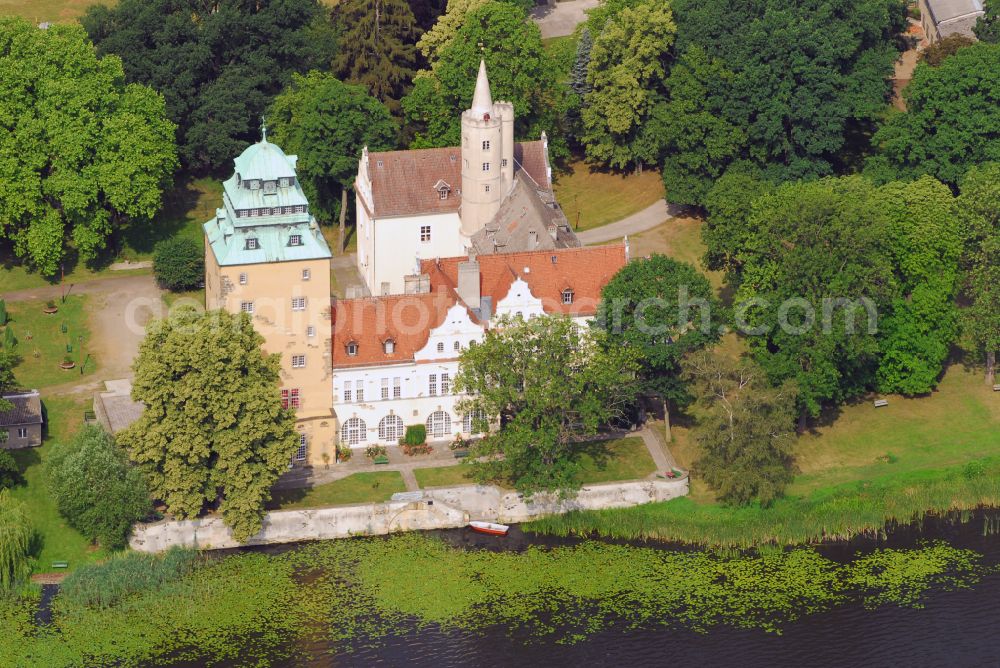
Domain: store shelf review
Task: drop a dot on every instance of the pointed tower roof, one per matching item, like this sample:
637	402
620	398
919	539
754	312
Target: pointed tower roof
482	100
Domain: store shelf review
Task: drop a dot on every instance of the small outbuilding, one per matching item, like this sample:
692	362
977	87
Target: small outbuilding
22	423
942	18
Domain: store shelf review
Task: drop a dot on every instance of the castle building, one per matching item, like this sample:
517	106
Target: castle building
489	195
265	256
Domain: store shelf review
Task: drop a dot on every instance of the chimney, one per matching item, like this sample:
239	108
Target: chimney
532	239
417	284
468	283
553	231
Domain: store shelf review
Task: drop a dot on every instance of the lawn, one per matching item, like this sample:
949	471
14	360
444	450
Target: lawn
679	238
563	51
42	345
620	459
443	476
48	10
57	540
591	198
356	488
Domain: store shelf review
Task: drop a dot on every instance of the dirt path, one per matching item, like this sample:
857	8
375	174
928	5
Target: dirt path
556	19
647	219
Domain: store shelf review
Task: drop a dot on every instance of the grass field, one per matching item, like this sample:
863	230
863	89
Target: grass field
41	343
620	459
49	10
356	488
57	541
443	476
594	198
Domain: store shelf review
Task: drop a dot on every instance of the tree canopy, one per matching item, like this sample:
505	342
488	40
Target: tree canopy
551	385
378	47
82	151
987	28
444	30
16	535
217	64
744	429
784	85
327	123
661	309
951	120
520	72
213	429
179	263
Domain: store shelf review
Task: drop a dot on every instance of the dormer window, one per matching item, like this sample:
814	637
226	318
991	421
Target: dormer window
254	184
252	243
443	189
295	240
285	182
352	349
389	346
567	296
270	187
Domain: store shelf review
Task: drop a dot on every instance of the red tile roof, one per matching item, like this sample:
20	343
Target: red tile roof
548	273
403	182
370	321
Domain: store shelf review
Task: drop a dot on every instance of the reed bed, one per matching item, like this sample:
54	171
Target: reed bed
835	513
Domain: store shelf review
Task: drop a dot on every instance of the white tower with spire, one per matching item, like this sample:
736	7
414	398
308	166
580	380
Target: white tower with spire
487	156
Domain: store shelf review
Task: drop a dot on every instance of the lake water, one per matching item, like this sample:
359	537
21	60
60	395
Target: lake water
955	628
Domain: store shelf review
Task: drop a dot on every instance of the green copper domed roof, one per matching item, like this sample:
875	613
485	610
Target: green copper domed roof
265	161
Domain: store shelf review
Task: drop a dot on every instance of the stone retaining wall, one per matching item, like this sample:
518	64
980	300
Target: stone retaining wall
445	508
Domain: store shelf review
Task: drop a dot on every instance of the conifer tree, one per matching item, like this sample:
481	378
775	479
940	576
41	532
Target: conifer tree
378	48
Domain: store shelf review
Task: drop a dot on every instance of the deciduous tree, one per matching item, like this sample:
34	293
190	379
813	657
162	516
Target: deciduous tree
950	123
745	429
520	72
979	203
179	263
327	123
15	543
987	28
213	429
82	151
552	385
96	489
936	53
661	309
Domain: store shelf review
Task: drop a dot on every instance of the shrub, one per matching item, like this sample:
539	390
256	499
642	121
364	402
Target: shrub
373	451
416	434
9	340
96	489
106	584
3	312
10	473
422	449
15	543
179	263
344	453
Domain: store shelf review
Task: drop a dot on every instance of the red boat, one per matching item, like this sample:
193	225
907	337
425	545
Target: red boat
490	528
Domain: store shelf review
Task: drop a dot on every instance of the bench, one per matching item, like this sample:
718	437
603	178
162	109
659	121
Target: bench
996	388
381	459
60	564
460	454
879	403
89	416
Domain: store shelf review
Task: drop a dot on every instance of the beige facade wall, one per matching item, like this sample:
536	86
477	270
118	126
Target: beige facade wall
32	436
272	289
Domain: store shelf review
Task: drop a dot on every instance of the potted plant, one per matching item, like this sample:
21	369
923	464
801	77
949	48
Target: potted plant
50	307
344	453
67	363
376	452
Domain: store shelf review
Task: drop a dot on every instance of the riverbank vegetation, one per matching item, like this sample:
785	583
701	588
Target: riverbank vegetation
259	609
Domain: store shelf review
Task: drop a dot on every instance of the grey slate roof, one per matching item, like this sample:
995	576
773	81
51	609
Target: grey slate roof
27	409
529	219
955	17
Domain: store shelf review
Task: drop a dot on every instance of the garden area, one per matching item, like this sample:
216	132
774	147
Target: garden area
52	341
591	197
374	487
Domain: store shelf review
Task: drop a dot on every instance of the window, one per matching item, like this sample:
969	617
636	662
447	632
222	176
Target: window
486	166
391	428
310	331
243	278
457	346
22	432
440	347
290	398
298	361
353	431
487	187
306	274
473	423
352	348
251	244
445	383
254	184
432	384
300	208
397	391
503	163
425	233
295	240
270	187
443	193
385	388
567	296
247	307
300	454
438	424
284	182
298	303
486	145
389	346
348	395
359	391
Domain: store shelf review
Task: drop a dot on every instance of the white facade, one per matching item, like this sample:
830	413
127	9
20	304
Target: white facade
395	395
